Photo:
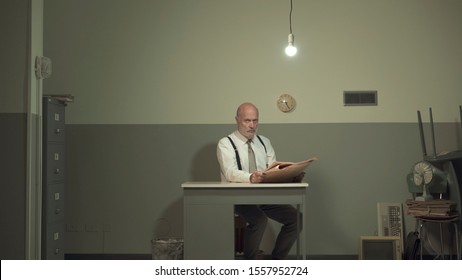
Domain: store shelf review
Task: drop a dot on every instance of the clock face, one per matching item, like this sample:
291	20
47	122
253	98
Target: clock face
286	103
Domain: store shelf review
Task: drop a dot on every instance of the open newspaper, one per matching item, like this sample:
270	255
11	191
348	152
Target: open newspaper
286	172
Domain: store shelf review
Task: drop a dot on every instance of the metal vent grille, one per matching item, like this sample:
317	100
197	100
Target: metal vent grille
360	98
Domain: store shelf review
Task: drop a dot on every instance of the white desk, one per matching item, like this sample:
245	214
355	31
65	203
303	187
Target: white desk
209	214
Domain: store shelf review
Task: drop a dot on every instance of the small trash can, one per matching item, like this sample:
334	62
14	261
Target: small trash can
167	248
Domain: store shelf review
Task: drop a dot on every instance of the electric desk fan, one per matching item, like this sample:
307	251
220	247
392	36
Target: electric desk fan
424	176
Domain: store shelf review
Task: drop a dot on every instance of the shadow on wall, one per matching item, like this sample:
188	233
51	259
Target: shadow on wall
205	166
458	127
170	224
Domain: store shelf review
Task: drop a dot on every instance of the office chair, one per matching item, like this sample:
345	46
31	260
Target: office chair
239	228
423	213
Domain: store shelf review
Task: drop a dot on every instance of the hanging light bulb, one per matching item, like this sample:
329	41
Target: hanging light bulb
291	50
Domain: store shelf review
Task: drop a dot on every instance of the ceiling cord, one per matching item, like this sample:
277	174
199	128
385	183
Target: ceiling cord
290	17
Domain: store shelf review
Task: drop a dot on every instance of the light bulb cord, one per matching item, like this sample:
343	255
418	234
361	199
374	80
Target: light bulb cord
290	17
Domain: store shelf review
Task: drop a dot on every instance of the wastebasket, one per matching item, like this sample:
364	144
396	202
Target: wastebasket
167	248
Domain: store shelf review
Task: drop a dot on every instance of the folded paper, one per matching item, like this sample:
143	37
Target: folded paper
286	172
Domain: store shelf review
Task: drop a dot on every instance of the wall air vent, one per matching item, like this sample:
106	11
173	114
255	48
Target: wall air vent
360	98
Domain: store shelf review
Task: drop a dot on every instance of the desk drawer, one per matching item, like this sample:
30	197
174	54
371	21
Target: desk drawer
53	126
54	162
54	202
54	242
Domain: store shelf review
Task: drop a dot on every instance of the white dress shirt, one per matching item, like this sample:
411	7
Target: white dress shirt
227	157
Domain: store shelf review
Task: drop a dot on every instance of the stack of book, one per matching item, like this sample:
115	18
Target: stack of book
432	208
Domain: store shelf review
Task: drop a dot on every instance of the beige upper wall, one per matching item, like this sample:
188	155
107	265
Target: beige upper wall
13	79
193	62
22	41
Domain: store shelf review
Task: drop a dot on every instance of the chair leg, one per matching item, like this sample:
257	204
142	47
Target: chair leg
456	233
441	241
420	225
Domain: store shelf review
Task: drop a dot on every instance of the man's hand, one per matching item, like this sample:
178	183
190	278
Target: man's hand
257	177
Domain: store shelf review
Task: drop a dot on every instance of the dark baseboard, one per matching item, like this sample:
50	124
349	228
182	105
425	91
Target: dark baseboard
149	257
107	256
264	257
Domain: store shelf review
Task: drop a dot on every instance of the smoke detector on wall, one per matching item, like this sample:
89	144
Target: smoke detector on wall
42	67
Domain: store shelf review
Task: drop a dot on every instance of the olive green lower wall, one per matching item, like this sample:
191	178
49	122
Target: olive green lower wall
123	181
19	188
13	186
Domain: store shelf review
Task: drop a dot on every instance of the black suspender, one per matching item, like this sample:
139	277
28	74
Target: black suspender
261	141
238	158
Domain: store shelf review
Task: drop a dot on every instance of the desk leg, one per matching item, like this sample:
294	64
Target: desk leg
208	232
301	244
305	228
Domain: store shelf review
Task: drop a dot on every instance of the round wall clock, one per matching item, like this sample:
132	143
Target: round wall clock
286	103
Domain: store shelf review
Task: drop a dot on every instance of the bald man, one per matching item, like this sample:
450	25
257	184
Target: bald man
243	156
